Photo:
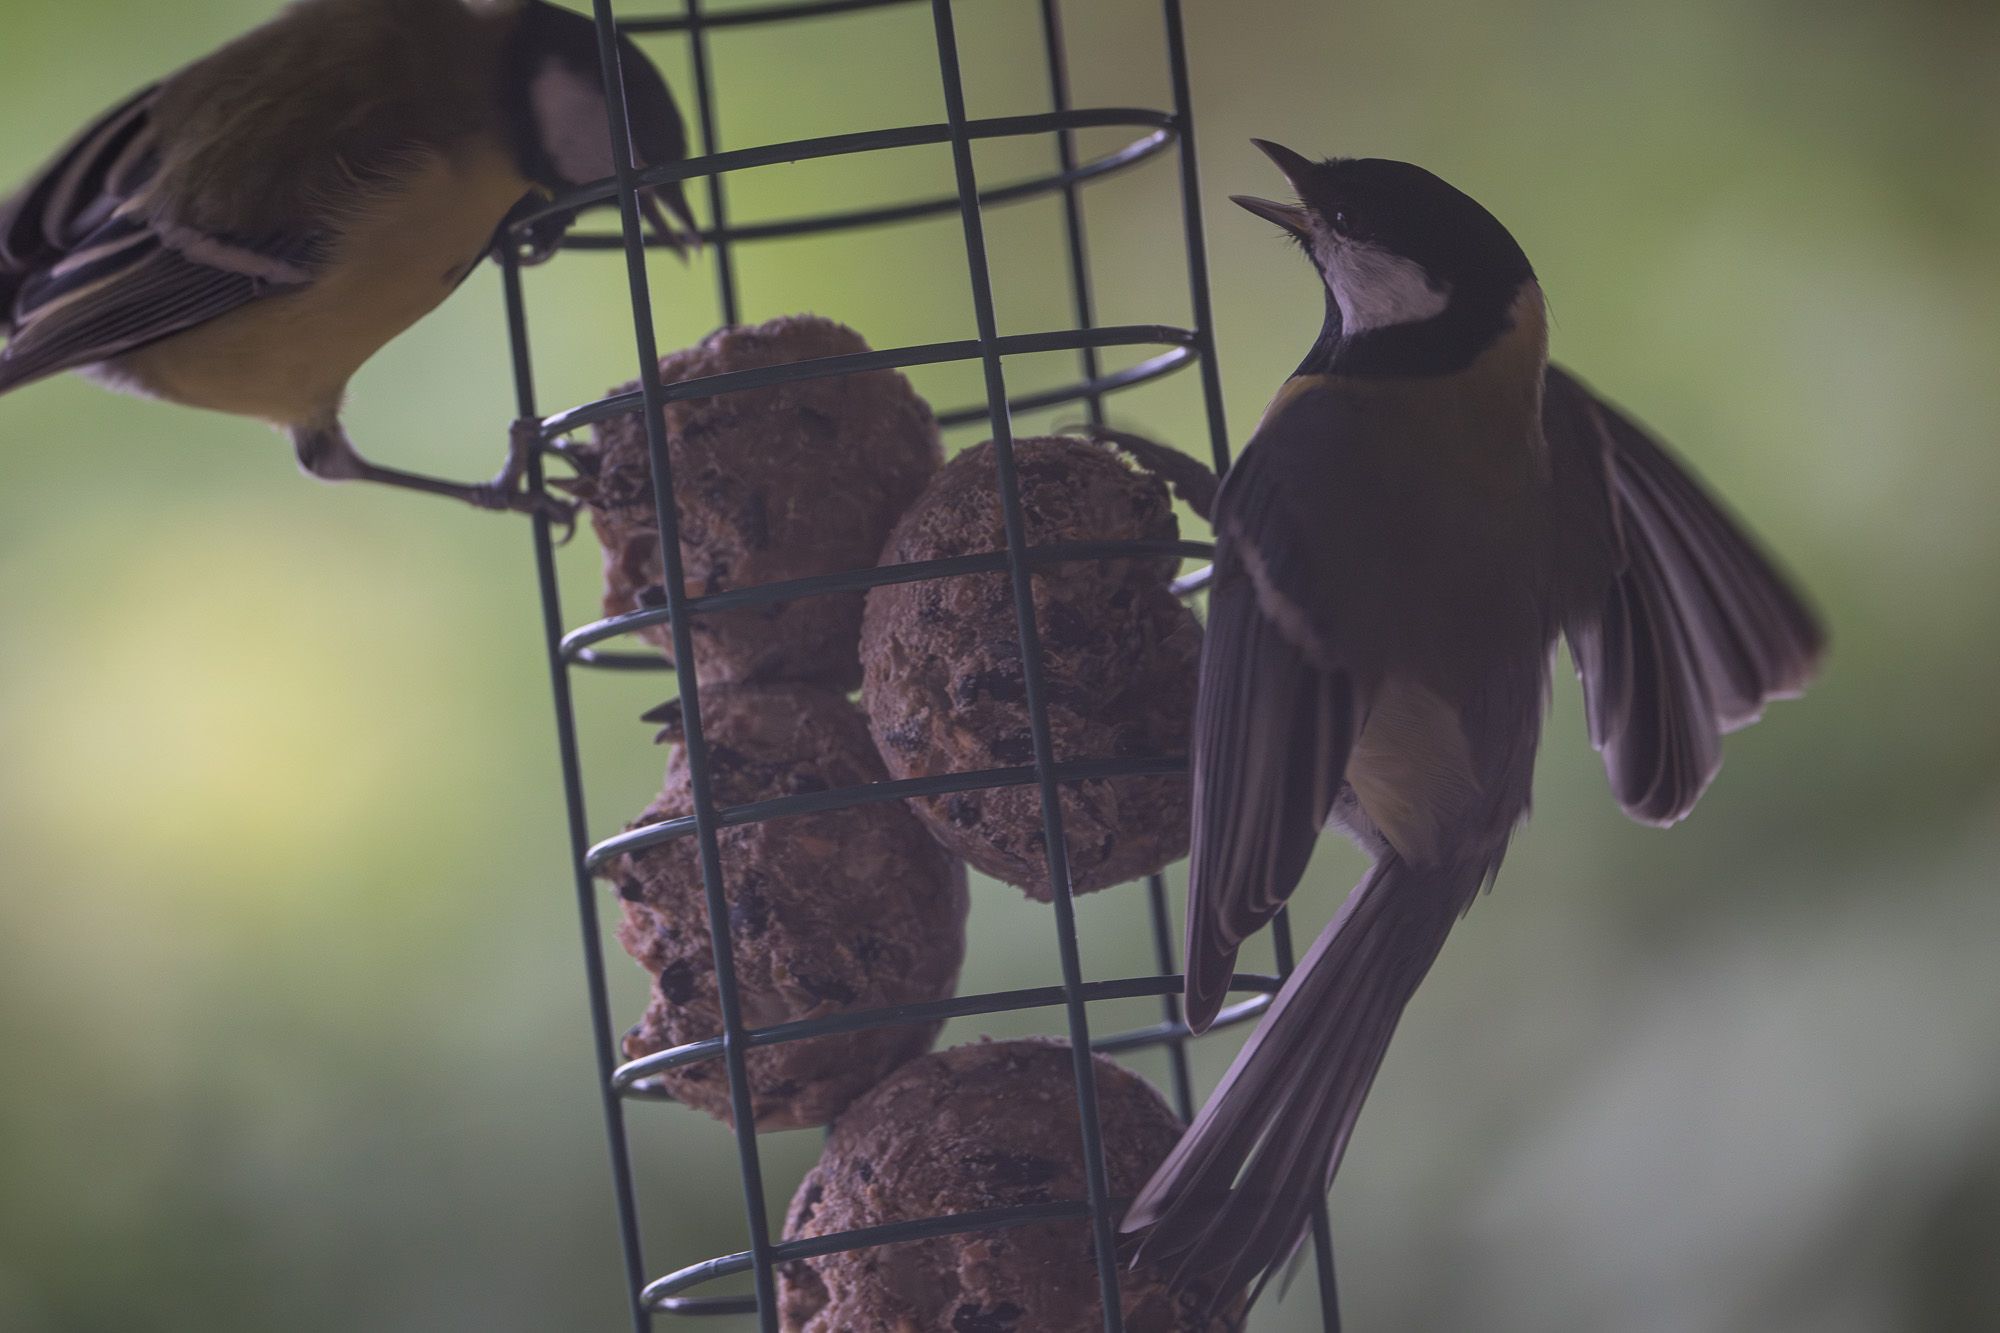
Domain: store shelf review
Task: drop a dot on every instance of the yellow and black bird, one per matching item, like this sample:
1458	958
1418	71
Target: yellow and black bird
244	234
1425	506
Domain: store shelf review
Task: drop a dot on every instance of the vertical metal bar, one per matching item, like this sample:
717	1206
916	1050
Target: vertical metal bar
602	1031
1322	1225
1218	433
718	206
1196	241
694	745
1072	200
1082	303
1104	1239
1170	1003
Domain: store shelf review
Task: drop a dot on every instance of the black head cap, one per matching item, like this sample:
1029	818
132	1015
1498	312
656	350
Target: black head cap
554	93
1416	269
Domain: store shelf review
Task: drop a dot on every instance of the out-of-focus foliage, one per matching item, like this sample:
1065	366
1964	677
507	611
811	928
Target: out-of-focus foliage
291	1009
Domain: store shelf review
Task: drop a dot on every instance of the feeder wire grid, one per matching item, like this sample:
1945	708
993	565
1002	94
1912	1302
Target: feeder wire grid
568	651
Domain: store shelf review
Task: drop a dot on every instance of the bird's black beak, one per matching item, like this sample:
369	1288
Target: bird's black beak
1292	217
1296	166
666	208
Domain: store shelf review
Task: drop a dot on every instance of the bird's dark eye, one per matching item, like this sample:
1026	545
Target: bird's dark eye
1340	218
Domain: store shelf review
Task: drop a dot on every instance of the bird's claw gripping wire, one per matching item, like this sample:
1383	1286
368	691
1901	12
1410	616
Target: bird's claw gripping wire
510	490
1189	477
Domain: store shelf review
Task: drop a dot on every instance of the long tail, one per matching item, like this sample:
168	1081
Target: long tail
1235	1197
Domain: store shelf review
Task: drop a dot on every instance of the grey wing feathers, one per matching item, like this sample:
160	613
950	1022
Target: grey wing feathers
1695	632
142	292
1274	714
89	272
1271	735
74	194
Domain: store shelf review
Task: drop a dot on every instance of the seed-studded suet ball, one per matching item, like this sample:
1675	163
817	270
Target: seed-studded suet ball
830	912
988	1125
944	687
776	483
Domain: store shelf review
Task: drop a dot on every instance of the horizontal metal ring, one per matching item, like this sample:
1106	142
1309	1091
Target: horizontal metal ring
854	363
577	641
1144	373
627	1080
1077	391
744	18
658	1294
1194	581
815	224
863	141
842	798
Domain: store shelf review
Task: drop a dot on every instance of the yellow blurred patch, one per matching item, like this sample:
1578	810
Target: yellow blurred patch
218	710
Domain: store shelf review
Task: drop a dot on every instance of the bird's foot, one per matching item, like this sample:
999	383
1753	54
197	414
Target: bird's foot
509	490
1190	478
506	496
325	451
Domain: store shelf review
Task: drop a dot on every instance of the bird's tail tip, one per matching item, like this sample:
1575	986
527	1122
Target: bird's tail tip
1206	991
1229	1206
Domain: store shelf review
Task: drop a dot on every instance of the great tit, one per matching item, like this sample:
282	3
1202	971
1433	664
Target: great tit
244	234
1425	505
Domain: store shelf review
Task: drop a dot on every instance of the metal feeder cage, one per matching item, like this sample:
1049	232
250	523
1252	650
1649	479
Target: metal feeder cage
1155	132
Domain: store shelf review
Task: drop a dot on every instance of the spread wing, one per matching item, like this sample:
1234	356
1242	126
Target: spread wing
93	266
1695	629
1274	715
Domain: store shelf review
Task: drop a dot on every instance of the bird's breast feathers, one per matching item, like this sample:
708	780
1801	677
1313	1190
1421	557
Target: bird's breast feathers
287	358
1428	495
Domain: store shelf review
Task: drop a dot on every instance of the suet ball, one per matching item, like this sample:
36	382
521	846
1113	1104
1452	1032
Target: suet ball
830	912
943	683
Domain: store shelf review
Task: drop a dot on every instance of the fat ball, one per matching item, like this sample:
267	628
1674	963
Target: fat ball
829	912
943	683
987	1125
771	484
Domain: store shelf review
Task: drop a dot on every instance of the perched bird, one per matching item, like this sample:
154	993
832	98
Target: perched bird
243	235
1425	505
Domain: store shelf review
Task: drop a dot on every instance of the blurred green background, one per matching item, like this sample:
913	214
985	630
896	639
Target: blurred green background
291	1008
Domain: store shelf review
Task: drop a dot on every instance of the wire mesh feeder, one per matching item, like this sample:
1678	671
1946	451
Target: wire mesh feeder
1155	132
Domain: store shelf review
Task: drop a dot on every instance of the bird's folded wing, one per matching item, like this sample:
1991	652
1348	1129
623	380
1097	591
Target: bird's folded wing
1696	629
76	191
91	266
1274	717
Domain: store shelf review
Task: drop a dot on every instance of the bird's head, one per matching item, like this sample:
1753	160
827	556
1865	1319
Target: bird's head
555	92
1411	264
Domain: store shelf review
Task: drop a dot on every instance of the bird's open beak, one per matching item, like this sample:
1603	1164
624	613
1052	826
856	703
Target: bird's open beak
1292	217
1296	166
666	208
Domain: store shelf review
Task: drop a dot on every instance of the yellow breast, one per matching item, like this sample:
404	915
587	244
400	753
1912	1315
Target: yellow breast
287	358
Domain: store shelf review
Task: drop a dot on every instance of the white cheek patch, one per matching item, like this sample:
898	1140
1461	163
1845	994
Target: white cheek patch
570	116
1376	289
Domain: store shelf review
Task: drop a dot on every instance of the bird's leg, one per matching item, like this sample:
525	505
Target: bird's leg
325	452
